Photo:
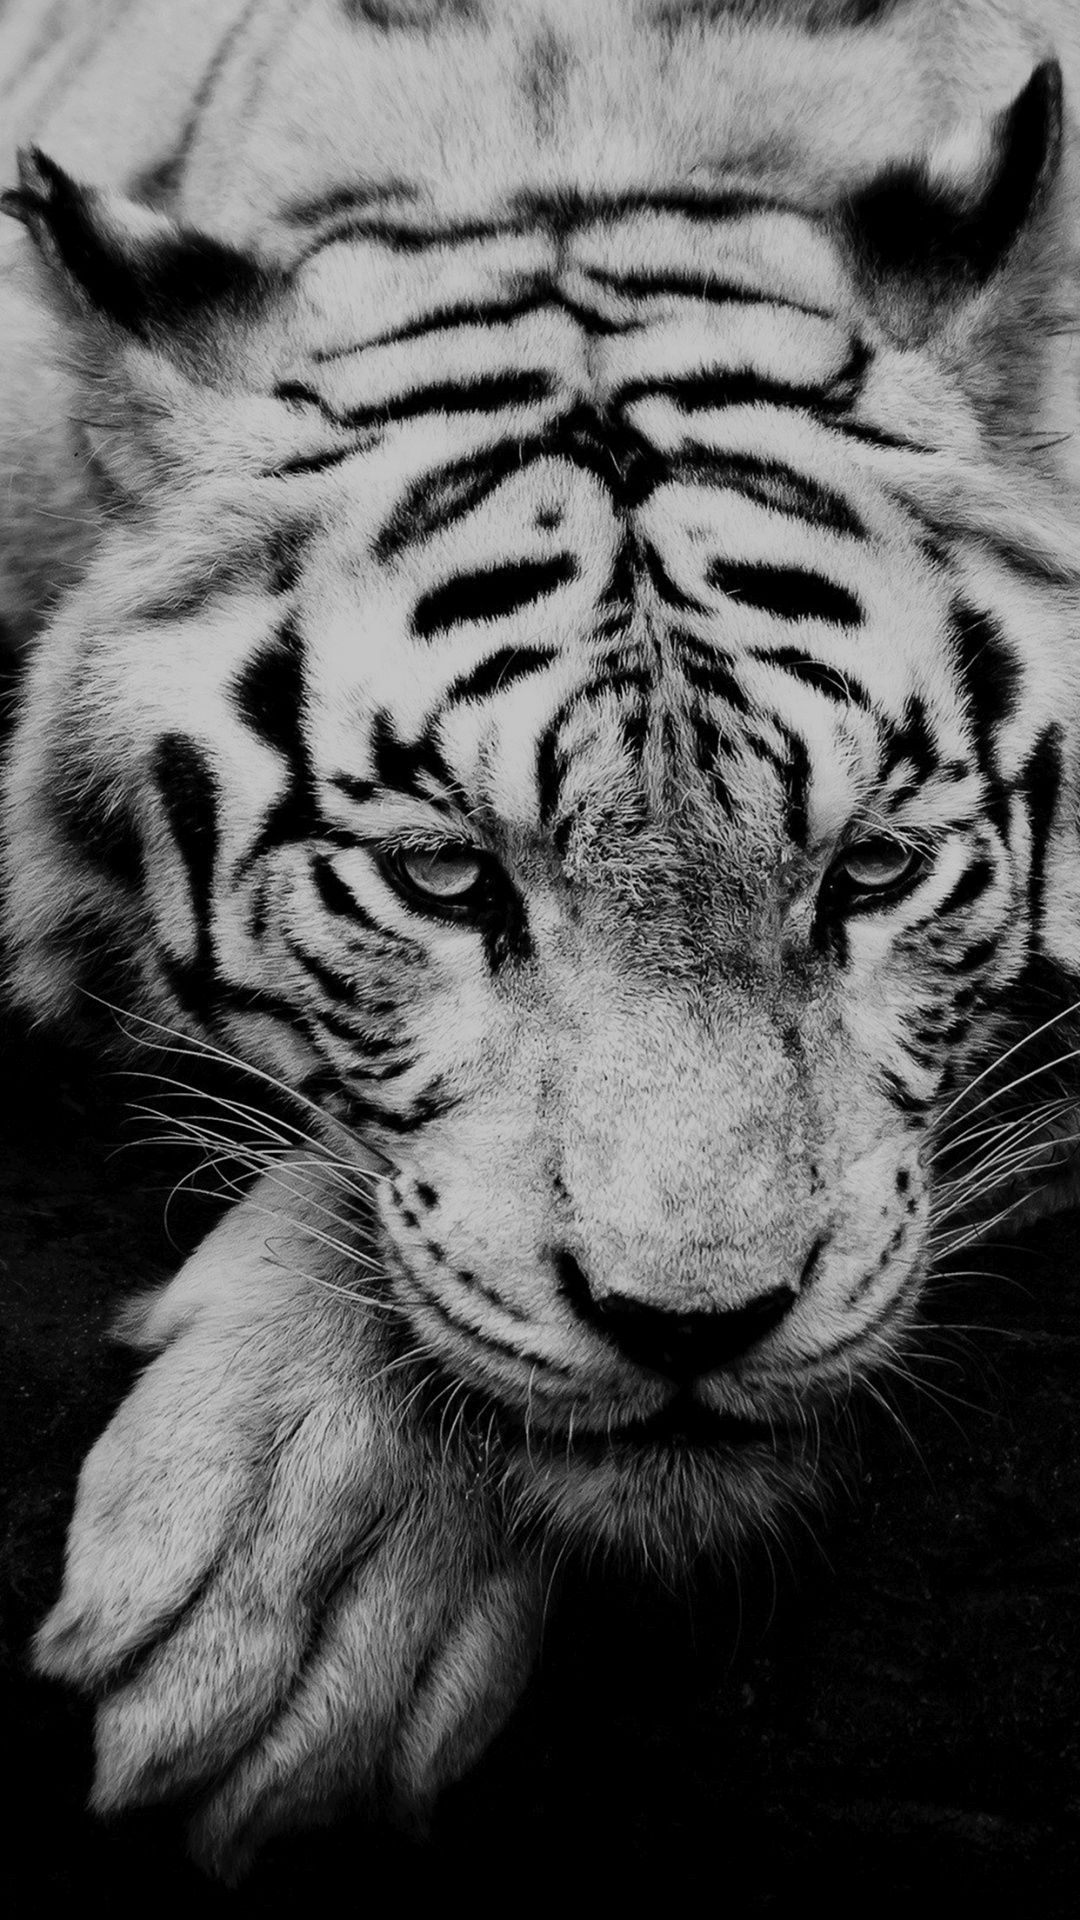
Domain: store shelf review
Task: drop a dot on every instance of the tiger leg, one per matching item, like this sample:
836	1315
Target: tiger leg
289	1593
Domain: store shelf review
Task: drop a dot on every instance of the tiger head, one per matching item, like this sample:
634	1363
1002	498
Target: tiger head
580	694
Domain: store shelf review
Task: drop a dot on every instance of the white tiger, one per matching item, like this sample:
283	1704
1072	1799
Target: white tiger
546	542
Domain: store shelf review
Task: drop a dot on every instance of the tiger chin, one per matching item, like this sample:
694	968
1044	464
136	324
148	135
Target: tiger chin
550	574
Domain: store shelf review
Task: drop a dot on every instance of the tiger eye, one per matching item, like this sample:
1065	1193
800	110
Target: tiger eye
446	873
877	863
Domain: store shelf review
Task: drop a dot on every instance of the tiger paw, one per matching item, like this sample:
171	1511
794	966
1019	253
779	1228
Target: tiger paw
289	1598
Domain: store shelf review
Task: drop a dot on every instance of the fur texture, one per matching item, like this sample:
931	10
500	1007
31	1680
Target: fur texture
562	531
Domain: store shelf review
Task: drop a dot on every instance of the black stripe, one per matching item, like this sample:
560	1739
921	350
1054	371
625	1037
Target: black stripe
565	209
720	387
552	762
969	888
204	94
560	213
343	199
334	984
710	672
770	483
902	1096
666	588
359	791
635	729
463	313
1040	784
414	766
390	1069
490	594
790	763
474	1336
402	236
270	698
336	896
705	287
834	682
708	756
433	1104
626	465
488	393
796	774
100	826
990	673
190	800
284	558
791	593
880	437
495	673
978	955
910	740
447	495
313	462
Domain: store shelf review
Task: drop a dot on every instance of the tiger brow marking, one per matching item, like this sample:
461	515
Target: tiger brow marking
835	683
495	672
588	440
490	594
792	593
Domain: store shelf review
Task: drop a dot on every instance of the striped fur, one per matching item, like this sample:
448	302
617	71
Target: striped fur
634	452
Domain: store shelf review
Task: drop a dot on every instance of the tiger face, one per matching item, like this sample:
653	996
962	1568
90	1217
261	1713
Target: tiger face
600	749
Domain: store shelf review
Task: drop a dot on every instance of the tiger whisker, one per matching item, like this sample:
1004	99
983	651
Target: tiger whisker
189	1046
1025	1039
220	1153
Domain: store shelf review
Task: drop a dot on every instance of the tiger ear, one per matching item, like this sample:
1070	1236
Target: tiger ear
928	235
113	261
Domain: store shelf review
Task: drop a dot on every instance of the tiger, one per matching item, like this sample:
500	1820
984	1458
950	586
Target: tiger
542	545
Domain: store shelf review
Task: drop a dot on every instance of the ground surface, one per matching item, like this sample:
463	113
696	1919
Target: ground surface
896	1721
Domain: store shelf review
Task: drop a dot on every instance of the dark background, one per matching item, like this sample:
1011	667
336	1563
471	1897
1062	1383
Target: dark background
891	1716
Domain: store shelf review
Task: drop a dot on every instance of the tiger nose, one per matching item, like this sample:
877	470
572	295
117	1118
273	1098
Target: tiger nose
680	1345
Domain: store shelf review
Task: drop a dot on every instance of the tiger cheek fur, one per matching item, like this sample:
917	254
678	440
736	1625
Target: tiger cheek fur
573	680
